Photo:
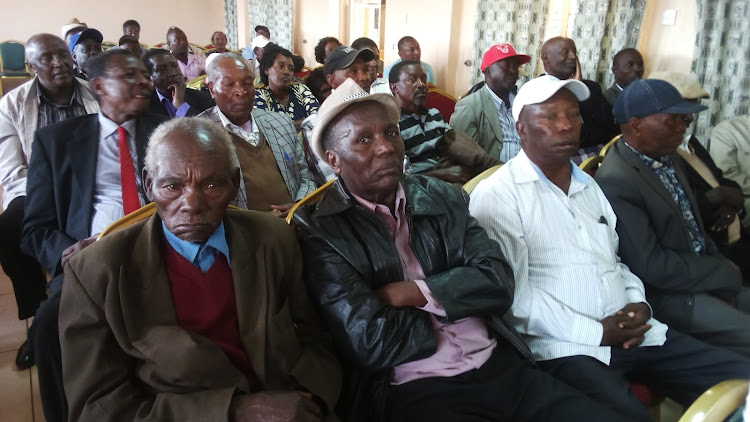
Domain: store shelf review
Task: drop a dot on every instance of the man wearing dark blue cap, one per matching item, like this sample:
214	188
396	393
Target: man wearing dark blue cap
84	46
689	284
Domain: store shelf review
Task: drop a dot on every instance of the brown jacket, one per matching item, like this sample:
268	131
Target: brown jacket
125	357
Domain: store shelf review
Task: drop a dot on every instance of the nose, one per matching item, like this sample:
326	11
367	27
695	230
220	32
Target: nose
193	201
383	146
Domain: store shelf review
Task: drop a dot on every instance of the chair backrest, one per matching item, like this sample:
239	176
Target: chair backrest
197	83
718	402
471	184
442	101
106	45
608	145
12	57
591	164
311	198
140	214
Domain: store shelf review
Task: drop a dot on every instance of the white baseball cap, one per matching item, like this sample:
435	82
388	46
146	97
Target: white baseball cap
540	89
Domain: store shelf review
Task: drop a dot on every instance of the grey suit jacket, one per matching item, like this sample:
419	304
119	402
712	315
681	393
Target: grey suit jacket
126	357
476	116
654	238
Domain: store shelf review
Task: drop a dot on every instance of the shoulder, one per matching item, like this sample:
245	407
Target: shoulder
266	230
211	114
109	253
66	127
17	96
613	170
472	100
442	193
272	118
152	120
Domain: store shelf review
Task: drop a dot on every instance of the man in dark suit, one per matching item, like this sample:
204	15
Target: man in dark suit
689	284
171	97
222	287
627	66
75	189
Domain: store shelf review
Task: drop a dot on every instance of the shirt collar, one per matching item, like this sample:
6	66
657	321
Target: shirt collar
526	171
189	250
373	206
161	97
499	103
618	86
75	98
249	127
107	127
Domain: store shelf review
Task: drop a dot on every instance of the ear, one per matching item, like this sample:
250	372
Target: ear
236	182
394	88
329	79
148	184
521	129
333	160
210	86
97	85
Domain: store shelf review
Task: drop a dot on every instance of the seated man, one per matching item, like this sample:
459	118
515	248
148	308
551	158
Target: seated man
192	64
171	96
411	286
131	44
347	62
408	49
379	85
627	66
274	175
260	30
583	313
433	148
74	26
719	199
219	41
486	117
132	27
52	96
560	59
730	149
78	184
194	349
84	46
690	285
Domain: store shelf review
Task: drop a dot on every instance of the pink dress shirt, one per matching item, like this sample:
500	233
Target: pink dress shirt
195	66
462	345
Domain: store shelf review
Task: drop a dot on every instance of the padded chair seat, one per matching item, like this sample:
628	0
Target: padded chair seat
11	73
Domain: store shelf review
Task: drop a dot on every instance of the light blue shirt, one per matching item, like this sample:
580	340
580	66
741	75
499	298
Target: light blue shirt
427	70
202	255
180	112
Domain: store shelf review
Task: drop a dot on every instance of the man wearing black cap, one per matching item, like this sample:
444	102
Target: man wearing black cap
689	284
84	46
346	62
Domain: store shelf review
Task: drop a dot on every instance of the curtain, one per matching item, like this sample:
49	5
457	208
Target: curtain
518	22
721	61
601	28
230	23
277	15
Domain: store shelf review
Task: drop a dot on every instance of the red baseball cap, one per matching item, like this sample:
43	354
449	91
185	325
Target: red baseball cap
499	52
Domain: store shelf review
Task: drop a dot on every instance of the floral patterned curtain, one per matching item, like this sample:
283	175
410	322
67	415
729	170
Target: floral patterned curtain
721	61
601	29
277	15
230	23
518	22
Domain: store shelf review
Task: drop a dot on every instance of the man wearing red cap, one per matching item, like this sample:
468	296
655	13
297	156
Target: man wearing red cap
486	116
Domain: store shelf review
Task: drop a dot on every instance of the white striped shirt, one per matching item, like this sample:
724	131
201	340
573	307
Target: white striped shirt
563	251
511	140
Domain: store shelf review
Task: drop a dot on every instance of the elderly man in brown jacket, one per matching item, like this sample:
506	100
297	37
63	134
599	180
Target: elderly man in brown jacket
197	313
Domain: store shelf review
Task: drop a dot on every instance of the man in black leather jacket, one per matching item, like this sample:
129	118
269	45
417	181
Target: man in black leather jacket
412	288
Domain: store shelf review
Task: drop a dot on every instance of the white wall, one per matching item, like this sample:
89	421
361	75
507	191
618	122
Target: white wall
668	47
198	18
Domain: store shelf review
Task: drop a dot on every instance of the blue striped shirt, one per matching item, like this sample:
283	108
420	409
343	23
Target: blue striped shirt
421	133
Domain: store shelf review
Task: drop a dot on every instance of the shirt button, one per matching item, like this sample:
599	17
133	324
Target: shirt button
690	302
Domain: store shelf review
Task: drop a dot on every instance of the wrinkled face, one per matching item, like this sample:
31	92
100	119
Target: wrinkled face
357	71
330	46
191	187
125	90
281	72
410	50
219	41
52	62
411	87
560	60
233	90
502	75
628	68
661	134
177	42
367	150
132	30
132	47
551	131
166	72
86	50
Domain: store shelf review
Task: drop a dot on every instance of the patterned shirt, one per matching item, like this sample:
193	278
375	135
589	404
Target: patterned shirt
664	168
421	133
52	113
511	140
302	102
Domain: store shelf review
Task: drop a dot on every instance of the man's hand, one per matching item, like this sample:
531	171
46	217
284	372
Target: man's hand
178	92
452	174
402	294
727	196
577	74
282	210
75	248
274	406
627	327
722	218
638	313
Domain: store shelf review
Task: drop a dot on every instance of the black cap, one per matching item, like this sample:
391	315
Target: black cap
343	56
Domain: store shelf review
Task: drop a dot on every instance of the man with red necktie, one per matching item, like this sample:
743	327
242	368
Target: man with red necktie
83	175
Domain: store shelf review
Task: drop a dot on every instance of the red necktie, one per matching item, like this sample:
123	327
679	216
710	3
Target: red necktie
130	201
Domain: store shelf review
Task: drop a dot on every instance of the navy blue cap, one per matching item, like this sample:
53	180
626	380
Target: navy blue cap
86	33
645	97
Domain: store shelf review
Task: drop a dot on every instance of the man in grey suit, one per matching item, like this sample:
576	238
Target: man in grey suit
273	167
689	284
486	116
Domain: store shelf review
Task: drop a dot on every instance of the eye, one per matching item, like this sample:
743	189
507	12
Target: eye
392	133
171	187
363	140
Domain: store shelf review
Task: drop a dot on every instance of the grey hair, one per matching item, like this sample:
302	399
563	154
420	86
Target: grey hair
205	132
212	68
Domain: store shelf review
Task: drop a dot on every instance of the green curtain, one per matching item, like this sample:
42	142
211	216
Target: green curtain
721	61
518	22
276	15
601	28
230	23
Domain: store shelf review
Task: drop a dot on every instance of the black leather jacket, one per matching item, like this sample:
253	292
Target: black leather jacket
349	254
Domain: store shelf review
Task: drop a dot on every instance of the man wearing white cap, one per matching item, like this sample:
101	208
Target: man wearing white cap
582	313
486	117
411	287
